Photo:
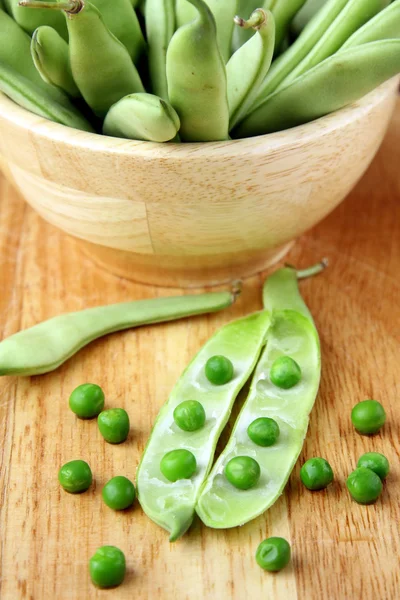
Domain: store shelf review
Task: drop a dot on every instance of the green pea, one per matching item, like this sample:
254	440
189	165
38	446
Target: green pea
364	485
87	400
107	567
285	372
263	431
368	416
75	476
273	554
243	472
316	474
219	370
378	463
190	415
119	493
178	464
114	425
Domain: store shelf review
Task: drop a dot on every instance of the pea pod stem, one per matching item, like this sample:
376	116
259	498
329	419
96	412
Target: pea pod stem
314	270
71	6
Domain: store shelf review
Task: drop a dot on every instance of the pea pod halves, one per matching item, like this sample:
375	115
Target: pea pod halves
172	505
48	345
221	504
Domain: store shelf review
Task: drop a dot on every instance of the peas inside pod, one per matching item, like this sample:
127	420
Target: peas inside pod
75	476
114	425
285	372
368	416
178	464
243	472
219	370
190	415
119	493
263	431
316	474
273	554
107	567
87	400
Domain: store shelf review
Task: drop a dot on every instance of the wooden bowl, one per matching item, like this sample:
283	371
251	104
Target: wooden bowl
191	214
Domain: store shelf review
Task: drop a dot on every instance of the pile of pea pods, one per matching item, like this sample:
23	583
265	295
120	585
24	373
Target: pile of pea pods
194	70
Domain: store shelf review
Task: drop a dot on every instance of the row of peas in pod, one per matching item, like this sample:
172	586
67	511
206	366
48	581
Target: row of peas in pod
194	70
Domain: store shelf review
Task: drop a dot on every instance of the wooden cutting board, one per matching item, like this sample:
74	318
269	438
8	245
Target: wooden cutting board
340	550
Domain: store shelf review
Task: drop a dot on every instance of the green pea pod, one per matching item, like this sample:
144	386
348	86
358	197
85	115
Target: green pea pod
385	25
172	505
223	11
28	95
122	21
284	12
283	65
46	346
249	65
305	14
221	504
197	79
50	55
339	80
29	21
160	27
142	117
241	35
351	17
101	65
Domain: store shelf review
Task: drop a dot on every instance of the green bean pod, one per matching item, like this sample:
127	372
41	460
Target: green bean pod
221	504
50	55
121	19
172	505
31	20
284	12
351	17
305	14
285	63
385	25
223	11
28	95
100	63
197	79
49	344
249	65
339	80
160	27
142	117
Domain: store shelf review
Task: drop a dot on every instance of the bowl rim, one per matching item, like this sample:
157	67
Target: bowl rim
94	142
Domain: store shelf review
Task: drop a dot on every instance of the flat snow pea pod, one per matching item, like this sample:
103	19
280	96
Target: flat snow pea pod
142	117
385	25
172	505
48	345
221	504
28	95
339	80
50	55
249	65
285	63
284	12
160	27
197	79
122	21
354	14
29	21
101	65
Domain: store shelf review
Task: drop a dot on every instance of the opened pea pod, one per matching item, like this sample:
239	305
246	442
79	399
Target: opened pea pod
180	451
268	435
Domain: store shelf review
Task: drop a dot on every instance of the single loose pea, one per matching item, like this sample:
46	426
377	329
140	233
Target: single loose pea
243	472
364	485
107	567
87	400
316	474
190	415
263	431
178	464
285	372
378	463
75	476
368	416
273	554
219	370
119	493
114	425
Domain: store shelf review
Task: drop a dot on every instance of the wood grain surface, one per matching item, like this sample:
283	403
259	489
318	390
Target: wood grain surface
340	550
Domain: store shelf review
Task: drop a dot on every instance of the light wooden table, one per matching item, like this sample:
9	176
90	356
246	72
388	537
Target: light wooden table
340	550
